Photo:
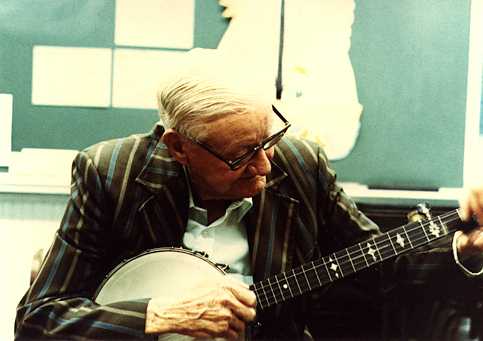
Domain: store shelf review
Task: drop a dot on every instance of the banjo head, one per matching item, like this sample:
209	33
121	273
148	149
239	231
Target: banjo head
167	273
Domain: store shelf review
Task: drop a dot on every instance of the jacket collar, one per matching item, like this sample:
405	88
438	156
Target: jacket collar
275	178
160	169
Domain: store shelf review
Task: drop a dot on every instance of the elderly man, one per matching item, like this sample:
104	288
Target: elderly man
219	176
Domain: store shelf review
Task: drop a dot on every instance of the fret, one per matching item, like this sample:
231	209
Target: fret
327	270
260	303
377	247
302	279
400	240
357	257
256	289
424	230
297	282
392	244
306	278
434	229
333	267
287	285
370	252
385	246
443	226
312	274
280	288
407	235
350	259
284	285
319	267
292	283
261	286
362	251
316	273
339	267
271	289
344	263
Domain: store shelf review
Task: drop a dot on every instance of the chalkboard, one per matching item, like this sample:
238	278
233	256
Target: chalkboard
409	56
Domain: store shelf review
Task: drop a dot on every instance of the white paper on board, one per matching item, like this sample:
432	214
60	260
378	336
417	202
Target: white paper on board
137	75
155	23
71	76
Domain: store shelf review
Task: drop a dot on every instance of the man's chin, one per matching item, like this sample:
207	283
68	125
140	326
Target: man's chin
255	187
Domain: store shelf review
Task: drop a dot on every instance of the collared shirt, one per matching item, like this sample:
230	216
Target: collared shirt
224	240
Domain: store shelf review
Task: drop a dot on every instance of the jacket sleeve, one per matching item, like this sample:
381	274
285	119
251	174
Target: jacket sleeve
59	304
341	223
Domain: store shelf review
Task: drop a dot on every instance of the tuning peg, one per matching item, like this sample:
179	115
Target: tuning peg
424	209
421	212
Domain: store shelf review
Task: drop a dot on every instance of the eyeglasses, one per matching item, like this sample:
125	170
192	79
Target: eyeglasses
266	143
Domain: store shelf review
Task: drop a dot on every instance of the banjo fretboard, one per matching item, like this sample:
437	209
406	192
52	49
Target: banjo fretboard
340	264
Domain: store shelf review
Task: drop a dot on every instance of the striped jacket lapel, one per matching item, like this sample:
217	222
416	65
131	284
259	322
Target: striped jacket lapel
270	228
164	206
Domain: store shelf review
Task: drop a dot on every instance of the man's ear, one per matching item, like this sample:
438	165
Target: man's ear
175	143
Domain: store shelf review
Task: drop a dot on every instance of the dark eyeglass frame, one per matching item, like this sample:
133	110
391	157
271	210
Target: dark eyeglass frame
266	143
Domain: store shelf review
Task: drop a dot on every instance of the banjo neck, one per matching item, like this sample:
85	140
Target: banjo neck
157	272
363	255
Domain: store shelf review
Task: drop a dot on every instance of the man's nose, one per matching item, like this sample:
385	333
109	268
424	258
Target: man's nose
260	163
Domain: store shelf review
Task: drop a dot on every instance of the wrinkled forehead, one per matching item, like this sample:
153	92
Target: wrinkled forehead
249	127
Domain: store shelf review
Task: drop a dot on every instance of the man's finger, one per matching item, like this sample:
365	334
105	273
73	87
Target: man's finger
475	206
244	295
237	307
464	210
245	313
478	205
237	324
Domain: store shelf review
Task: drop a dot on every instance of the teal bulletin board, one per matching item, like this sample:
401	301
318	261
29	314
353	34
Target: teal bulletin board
409	57
74	23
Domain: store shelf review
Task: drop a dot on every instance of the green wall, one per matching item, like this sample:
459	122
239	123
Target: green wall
409	57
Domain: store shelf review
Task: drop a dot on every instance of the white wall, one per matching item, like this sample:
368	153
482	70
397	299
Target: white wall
27	223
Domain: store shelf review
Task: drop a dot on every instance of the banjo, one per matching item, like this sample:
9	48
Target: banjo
171	272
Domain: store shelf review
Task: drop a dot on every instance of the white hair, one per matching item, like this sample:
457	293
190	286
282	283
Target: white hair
204	90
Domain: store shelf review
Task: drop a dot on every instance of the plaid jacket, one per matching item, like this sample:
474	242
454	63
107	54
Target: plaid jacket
128	195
